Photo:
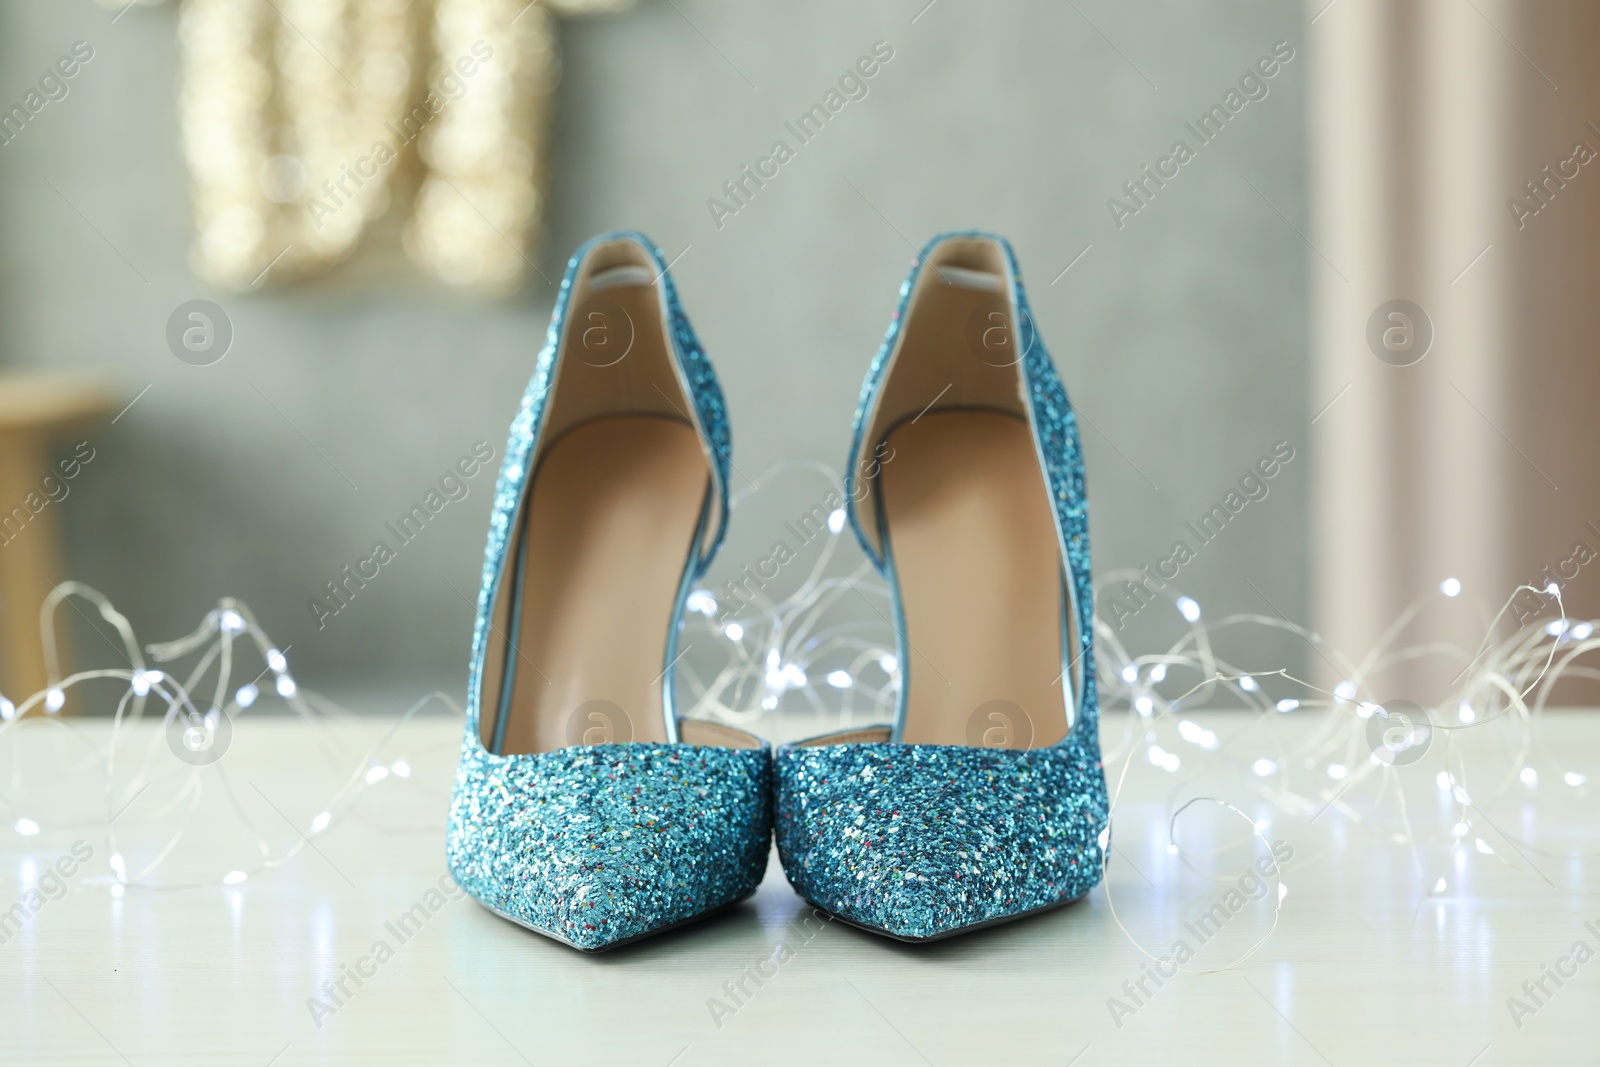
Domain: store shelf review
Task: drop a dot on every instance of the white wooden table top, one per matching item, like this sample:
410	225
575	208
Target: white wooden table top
1371	962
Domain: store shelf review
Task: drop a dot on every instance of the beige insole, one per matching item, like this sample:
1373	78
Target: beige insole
979	569
609	523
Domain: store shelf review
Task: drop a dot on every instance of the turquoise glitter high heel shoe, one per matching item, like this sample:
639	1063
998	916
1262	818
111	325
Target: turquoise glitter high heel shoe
985	800
584	807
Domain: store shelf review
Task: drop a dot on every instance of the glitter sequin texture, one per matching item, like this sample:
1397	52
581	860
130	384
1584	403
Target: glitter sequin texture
920	841
601	844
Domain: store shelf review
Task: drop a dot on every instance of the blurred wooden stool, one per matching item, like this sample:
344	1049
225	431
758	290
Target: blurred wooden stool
36	413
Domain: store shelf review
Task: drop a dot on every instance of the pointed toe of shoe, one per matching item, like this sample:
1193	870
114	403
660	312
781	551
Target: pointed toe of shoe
923	841
599	845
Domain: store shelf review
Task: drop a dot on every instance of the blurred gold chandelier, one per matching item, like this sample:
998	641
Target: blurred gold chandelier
306	121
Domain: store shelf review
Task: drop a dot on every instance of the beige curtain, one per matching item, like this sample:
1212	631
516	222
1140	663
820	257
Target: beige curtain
1429	120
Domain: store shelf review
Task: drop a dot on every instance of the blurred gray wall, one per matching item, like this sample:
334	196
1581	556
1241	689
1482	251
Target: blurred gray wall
1182	334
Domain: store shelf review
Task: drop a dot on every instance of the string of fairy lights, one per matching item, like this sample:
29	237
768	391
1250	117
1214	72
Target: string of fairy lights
199	710
802	652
